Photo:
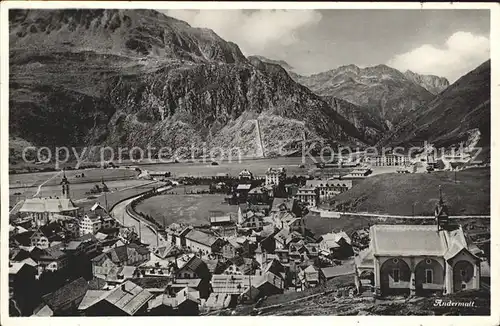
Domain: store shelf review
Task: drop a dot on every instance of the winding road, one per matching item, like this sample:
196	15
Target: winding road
148	236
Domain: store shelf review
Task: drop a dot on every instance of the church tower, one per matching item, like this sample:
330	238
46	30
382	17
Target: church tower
441	212
65	186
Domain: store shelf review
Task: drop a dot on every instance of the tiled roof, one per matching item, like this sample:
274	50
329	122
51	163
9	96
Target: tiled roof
53	252
51	230
332	239
91	298
201	237
128	297
198	266
228	284
71	292
218	300
52	205
407	240
330	272
141	250
271	279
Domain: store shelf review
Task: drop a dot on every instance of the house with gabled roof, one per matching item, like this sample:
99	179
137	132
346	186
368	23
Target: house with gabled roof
64	301
193	268
336	244
202	242
126	255
241	266
127	299
47	234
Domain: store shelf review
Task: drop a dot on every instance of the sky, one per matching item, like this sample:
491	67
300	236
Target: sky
447	43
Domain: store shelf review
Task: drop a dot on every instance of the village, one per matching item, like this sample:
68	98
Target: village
67	260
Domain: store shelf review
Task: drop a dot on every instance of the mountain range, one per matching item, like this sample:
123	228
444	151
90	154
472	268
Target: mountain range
138	77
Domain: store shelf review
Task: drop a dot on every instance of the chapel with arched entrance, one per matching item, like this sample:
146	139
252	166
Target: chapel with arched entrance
420	259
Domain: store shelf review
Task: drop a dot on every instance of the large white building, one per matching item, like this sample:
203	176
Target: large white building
274	176
389	160
329	188
308	195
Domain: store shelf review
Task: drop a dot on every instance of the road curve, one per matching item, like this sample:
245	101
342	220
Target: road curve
119	213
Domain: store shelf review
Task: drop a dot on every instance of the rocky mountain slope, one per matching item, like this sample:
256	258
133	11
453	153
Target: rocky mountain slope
432	83
282	63
385	92
456	114
371	125
138	77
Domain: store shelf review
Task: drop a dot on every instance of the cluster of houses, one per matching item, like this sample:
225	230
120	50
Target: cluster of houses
58	251
67	262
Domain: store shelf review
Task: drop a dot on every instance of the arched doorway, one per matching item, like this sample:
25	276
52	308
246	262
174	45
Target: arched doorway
395	277
368	275
463	273
429	277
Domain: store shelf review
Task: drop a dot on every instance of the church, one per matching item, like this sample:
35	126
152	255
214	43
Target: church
420	259
45	210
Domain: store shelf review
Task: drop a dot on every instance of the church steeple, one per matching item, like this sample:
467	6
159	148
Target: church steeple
64	186
441	212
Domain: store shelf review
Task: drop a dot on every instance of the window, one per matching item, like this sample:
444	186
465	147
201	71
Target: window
427	261
428	276
463	273
395	275
464	286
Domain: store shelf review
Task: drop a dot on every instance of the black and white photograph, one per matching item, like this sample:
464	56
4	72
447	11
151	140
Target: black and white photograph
247	160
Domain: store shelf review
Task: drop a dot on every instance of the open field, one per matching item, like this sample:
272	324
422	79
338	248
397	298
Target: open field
396	193
117	196
78	191
192	209
257	166
319	225
91	175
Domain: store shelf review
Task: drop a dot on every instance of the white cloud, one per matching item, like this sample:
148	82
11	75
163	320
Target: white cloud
253	31
461	53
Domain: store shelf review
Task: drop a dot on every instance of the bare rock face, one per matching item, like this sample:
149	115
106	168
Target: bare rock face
383	91
138	77
432	83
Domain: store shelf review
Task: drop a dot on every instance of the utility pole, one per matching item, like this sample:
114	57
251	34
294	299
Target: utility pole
140	232
106	201
455	176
